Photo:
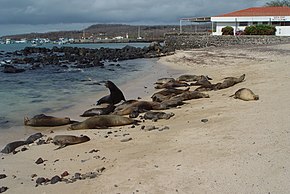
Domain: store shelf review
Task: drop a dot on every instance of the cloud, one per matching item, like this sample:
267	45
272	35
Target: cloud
113	11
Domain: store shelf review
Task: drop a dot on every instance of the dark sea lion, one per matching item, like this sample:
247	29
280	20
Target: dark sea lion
171	84
170	103
139	106
189	95
164	80
98	111
192	78
228	82
102	121
46	121
166	94
65	140
245	94
125	104
10	147
202	81
157	115
115	96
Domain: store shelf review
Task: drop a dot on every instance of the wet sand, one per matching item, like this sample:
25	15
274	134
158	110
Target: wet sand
242	148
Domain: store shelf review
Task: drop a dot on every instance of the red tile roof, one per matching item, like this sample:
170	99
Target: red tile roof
259	11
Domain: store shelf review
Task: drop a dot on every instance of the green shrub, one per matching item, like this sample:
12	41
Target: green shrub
228	30
260	30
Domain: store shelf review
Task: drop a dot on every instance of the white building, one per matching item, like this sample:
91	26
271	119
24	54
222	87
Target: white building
276	16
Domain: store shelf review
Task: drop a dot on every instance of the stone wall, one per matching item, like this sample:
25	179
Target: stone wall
200	40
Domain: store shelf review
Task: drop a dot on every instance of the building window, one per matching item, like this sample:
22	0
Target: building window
255	23
265	23
243	23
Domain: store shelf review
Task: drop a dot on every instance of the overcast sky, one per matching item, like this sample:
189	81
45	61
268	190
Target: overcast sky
23	16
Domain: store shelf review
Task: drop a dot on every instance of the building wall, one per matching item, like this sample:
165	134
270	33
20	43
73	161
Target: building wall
282	30
221	22
200	40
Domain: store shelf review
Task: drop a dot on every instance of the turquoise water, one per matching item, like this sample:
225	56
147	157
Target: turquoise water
54	89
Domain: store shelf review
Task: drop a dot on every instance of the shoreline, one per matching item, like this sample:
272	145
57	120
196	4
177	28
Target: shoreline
132	89
242	148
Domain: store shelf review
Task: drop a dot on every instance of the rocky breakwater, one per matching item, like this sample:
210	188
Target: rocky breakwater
32	58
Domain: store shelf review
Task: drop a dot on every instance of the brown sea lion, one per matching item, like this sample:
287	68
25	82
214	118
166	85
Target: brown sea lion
189	95
139	106
166	94
202	81
102	121
115	96
228	82
164	80
98	111
171	84
245	94
46	121
65	140
157	115
192	78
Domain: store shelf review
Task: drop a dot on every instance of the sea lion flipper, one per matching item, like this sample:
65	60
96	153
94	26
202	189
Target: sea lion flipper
61	146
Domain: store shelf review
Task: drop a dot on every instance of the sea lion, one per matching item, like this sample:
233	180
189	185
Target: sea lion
102	121
202	81
164	80
115	96
139	106
192	78
166	94
171	84
189	95
157	115
10	147
245	94
46	121
228	82
65	140
98	111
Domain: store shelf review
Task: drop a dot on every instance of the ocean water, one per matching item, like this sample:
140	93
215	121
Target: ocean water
54	89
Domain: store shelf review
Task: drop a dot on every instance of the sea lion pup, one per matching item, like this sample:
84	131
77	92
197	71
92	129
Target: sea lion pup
102	121
245	94
139	106
157	115
189	95
228	82
99	111
10	147
171	84
164	80
65	140
115	96
191	78
46	121
166	94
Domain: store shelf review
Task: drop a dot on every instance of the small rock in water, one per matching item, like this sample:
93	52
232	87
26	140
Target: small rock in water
3	189
55	179
2	176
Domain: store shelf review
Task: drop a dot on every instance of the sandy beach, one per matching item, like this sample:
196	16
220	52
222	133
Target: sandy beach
244	146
